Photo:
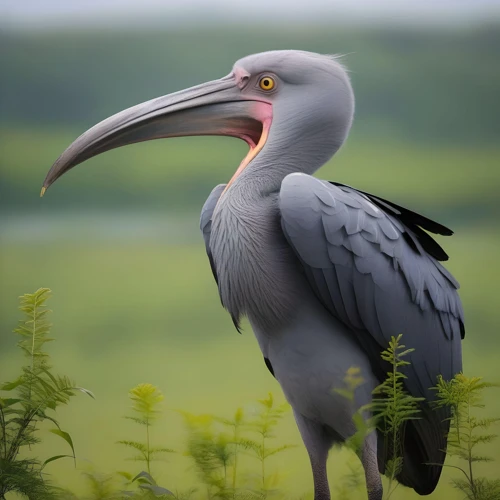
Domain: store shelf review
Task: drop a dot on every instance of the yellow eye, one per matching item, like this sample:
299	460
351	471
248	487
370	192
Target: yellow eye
267	83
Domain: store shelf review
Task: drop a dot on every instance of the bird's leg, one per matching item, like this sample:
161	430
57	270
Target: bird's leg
368	458
320	478
317	442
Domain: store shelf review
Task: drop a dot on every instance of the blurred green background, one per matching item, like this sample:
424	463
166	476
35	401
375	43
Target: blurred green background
117	239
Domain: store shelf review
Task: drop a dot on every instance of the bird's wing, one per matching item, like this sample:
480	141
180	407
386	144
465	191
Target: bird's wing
206	221
373	272
370	265
413	221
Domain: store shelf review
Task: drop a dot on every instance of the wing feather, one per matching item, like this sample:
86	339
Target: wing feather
373	266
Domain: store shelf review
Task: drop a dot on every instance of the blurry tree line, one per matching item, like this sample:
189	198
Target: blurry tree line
429	84
426	113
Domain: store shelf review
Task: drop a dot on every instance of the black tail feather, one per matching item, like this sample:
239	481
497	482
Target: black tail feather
424	451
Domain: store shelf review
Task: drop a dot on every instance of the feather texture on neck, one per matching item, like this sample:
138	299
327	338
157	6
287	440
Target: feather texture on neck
252	258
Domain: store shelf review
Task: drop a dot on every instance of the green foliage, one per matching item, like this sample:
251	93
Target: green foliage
146	400
236	424
362	422
393	407
115	486
148	487
229	446
350	485
264	424
102	486
216	453
352	482
38	392
213	453
463	395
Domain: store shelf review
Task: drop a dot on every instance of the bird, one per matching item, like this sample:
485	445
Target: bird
325	274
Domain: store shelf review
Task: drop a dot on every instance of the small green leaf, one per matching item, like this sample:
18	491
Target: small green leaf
54	458
145	476
67	438
159	449
137	420
5	403
125	474
85	391
274	451
42	415
134	444
8	386
158	491
346	393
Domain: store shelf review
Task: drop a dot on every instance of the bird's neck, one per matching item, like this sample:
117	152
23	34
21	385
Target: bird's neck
251	255
254	263
284	154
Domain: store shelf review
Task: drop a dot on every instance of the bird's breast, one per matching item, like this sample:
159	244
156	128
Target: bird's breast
256	270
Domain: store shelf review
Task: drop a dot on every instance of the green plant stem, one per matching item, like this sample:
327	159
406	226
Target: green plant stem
391	490
38	390
263	463
33	336
148	455
4	433
235	466
28	418
15	445
394	430
469	449
394	388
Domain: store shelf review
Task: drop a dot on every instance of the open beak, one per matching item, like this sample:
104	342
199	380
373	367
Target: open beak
213	108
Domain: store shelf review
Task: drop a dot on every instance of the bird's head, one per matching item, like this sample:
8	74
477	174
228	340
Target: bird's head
293	108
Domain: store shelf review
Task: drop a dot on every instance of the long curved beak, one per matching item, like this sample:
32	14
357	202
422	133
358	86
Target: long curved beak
213	108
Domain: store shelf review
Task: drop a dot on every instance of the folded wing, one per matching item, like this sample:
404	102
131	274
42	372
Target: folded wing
374	268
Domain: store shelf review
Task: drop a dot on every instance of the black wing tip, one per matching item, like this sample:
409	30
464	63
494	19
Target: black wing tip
269	366
443	230
404	213
429	244
236	323
414	221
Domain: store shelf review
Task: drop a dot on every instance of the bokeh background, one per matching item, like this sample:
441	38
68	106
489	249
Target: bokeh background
117	239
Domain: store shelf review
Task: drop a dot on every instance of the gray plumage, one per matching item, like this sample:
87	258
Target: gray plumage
359	266
325	274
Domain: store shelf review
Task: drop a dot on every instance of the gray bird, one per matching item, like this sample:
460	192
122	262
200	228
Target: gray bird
325	274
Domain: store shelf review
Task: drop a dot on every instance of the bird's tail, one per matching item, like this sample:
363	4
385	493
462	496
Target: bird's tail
424	451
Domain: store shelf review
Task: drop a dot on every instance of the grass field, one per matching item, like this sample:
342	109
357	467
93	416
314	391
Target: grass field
150	313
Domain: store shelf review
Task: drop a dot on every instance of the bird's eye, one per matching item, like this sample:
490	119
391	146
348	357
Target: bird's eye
267	83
